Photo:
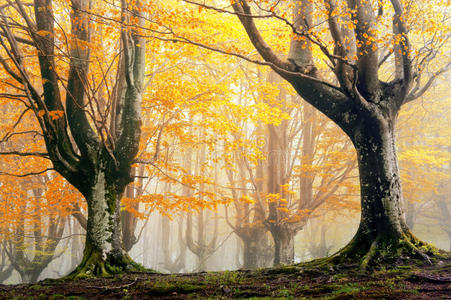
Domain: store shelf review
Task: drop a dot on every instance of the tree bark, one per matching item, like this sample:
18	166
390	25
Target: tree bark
382	232
379	179
108	169
283	246
6	273
250	259
252	237
104	253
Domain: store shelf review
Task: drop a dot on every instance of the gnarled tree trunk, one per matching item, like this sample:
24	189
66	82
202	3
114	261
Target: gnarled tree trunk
382	230
103	252
364	106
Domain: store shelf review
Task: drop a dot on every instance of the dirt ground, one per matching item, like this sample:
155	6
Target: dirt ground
290	282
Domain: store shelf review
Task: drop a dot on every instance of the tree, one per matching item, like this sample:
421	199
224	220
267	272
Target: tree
93	136
33	219
363	105
285	147
6	267
358	99
171	263
33	224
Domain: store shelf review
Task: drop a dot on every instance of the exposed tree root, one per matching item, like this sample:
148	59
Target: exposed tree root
369	256
95	264
429	278
383	252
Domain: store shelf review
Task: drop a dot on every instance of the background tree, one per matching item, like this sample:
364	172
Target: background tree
283	148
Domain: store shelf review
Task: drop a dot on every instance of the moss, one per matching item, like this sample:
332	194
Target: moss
224	278
94	265
165	287
347	289
384	251
292	269
35	287
285	293
57	296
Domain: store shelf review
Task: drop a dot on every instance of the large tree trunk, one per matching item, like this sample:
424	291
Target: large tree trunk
104	252
382	232
6	273
379	181
29	277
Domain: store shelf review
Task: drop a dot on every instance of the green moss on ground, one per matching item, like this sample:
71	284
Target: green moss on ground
302	281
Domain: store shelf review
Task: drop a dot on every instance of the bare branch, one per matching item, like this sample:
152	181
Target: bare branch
27	174
10	71
242	8
257	62
18	153
415	94
21	40
363	16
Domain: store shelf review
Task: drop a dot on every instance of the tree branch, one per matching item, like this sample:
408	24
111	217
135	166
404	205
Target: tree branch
399	27
367	58
27	174
85	137
416	93
18	153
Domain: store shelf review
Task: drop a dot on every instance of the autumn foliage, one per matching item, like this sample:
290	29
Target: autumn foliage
183	102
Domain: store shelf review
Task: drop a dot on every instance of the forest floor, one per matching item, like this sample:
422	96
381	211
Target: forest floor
295	282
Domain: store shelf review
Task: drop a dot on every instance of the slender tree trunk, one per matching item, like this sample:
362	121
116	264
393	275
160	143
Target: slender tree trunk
128	219
76	243
173	264
322	247
446	217
410	214
6	273
307	176
146	247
